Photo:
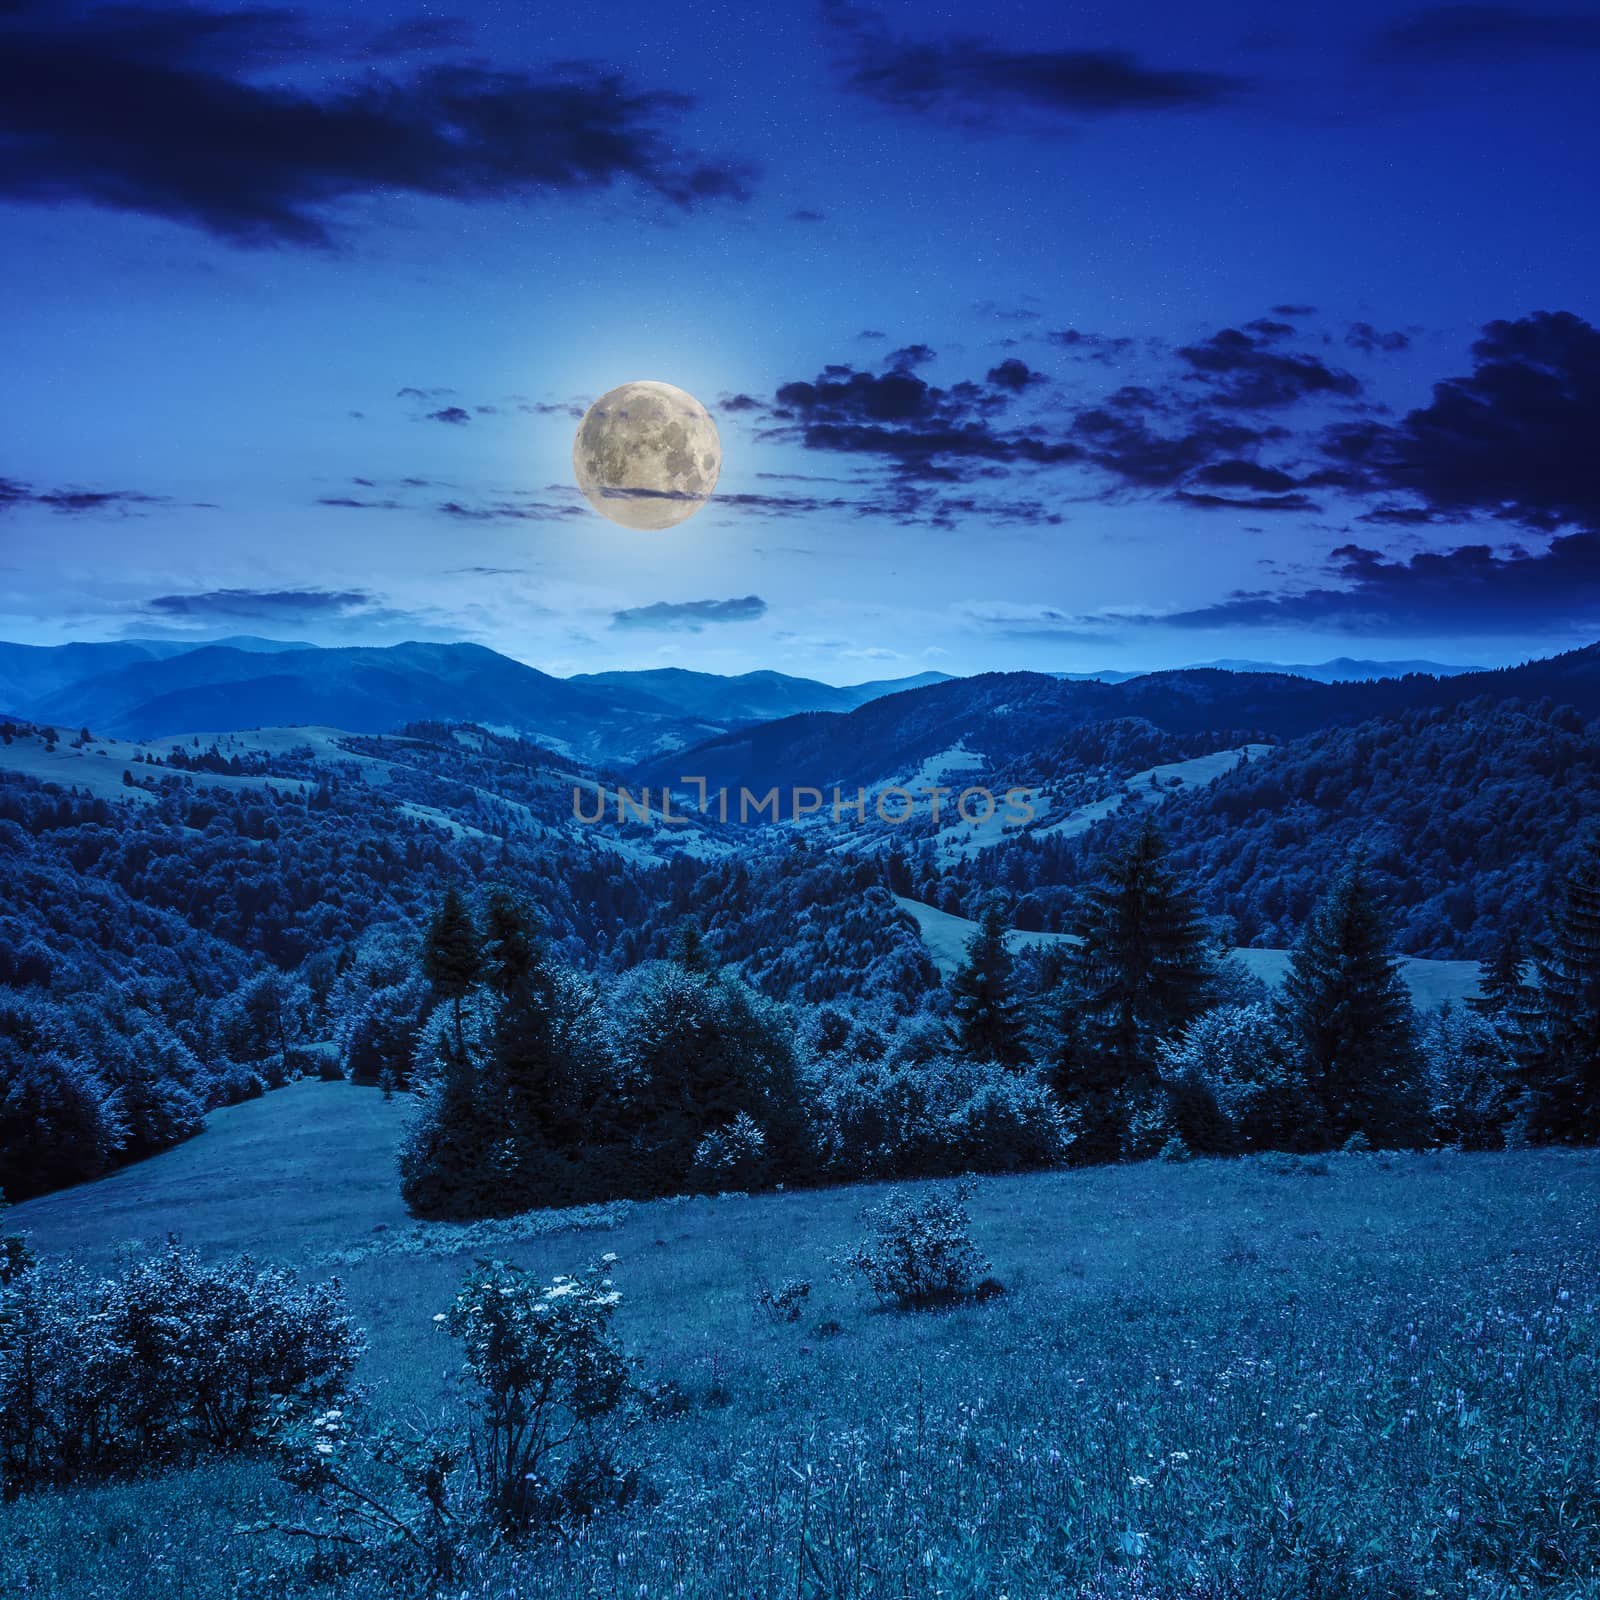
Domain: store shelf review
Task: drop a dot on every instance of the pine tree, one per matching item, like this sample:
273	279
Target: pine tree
1502	979
1141	971
1139	974
452	956
689	949
1350	1012
1561	1050
982	993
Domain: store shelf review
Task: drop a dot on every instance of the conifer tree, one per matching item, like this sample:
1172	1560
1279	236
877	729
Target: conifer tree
1562	1047
689	949
452	956
1140	973
1502	979
982	990
1350	1012
1142	969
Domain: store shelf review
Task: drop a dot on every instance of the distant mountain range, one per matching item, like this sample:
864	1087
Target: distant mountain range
752	696
148	689
1342	669
1004	717
749	727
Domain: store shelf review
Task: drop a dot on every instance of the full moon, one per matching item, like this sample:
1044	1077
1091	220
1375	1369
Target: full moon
647	455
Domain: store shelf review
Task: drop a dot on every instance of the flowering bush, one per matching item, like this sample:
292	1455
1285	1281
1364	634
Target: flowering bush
920	1252
552	1399
552	1378
169	1362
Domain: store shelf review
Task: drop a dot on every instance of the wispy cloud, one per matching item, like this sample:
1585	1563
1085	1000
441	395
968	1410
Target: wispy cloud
689	616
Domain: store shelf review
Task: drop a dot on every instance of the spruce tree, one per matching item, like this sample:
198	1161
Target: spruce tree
1141	972
689	949
1561	1050
982	993
1350	1013
1502	979
452	956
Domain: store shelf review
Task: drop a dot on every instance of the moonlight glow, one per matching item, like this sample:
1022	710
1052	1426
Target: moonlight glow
647	455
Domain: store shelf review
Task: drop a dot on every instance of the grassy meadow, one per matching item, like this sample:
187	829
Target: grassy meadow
1360	1376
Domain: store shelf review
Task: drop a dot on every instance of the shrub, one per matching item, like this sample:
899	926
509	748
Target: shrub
552	1400
1237	1063
172	1361
15	1255
920	1252
732	1158
786	1302
552	1380
936	1118
1471	1077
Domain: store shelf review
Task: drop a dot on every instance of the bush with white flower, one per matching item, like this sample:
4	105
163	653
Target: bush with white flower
552	1383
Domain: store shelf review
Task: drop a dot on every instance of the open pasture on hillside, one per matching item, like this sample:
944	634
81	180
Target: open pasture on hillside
1361	1376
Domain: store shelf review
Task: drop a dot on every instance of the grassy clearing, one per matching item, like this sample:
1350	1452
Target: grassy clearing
1371	1377
1432	983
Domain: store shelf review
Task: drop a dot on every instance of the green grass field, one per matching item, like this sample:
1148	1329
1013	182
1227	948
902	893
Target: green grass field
1432	983
1369	1377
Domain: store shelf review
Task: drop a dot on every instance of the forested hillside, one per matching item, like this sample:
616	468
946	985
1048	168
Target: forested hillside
1467	814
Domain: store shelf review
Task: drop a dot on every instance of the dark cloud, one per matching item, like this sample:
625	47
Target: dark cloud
1243	372
1203	501
999	313
548	408
1401	516
351	502
73	502
1236	474
1093	346
872	333
1363	336
411	392
1014	375
452	414
511	511
806	214
1471	589
280	604
911	355
1117	436
1294	311
1486	33
900	418
1268	330
154	111
689	616
739	402
976	82
1515	439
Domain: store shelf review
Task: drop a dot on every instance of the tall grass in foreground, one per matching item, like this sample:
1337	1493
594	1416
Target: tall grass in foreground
1212	1381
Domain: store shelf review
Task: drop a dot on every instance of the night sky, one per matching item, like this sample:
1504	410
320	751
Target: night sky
1048	336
